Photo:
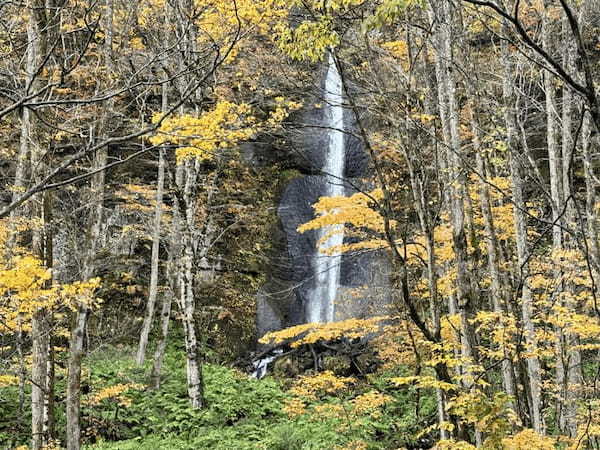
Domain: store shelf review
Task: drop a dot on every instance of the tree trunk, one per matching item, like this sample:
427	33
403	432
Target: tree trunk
42	236
186	209
39	382
149	317
590	195
194	367
457	189
572	359
172	275
161	346
498	294
95	223
73	402
533	365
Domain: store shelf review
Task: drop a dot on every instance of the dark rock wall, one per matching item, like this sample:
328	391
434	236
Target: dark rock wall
363	291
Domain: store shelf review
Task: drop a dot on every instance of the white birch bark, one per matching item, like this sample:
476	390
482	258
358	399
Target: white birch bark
498	294
154	270
40	321
173	270
571	357
95	221
186	209
76	349
457	186
533	365
159	354
442	105
450	116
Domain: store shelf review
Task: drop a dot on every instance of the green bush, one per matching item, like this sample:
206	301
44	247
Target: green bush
241	413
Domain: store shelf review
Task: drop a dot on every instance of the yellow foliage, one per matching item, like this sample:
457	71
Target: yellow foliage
395	345
308	41
329	410
453	445
294	407
222	127
25	287
311	333
370	402
528	439
114	392
493	416
423	382
356	211
220	18
198	137
589	426
397	48
354	445
8	380
502	331
315	386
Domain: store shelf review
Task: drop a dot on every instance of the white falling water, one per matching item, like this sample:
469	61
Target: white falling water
262	365
321	303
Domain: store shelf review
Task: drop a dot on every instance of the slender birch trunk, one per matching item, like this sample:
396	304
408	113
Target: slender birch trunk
442	106
188	301
185	208
95	221
557	164
457	189
426	229
571	357
533	378
40	323
172	275
78	333
498	294
426	226
159	354
39	382
449	113
149	317
73	403
590	194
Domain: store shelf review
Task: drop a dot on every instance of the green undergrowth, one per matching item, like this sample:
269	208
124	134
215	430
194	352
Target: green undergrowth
119	411
241	413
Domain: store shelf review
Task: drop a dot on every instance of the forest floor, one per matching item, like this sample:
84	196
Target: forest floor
121	412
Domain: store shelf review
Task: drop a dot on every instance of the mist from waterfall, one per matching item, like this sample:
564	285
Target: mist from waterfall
326	268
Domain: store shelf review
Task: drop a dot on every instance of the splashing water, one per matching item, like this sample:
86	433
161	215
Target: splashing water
262	365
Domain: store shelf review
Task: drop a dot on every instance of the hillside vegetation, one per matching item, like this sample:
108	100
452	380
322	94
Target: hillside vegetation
144	148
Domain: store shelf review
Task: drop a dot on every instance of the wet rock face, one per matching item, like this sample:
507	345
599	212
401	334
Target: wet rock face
282	302
308	144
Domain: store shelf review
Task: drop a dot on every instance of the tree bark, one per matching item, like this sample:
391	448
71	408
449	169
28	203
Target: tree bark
149	317
73	402
533	365
161	346
40	324
498	294
187	297
457	187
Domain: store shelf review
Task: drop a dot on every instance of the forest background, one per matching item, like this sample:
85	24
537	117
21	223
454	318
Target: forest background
136	229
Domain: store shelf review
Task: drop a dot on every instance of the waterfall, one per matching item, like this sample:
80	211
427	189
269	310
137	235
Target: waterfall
326	268
262	365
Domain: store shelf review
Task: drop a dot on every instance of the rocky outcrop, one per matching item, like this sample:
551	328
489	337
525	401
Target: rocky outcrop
282	301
